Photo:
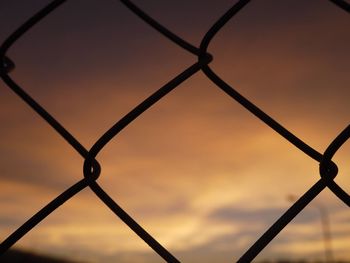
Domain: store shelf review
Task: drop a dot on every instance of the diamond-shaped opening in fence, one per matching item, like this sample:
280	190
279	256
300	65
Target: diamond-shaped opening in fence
319	233
194	179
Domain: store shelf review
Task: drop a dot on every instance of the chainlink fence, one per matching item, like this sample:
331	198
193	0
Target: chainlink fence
91	169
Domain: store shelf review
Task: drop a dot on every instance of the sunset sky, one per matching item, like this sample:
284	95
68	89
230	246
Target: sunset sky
199	172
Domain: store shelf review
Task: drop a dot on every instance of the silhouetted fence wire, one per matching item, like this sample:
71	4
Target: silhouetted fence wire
327	168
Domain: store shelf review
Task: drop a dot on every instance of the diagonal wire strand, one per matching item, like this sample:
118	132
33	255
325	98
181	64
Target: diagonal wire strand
147	103
160	28
267	119
132	224
282	222
41	215
342	4
28	25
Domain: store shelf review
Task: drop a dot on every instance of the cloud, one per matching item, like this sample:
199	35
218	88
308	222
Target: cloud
245	215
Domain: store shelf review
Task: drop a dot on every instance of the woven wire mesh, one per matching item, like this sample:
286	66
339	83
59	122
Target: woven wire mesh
91	169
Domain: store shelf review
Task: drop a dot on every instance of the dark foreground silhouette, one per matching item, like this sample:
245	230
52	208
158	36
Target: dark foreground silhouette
18	256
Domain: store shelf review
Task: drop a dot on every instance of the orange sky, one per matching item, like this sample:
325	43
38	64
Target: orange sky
198	171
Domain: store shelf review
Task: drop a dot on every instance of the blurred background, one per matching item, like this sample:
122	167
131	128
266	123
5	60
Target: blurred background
197	171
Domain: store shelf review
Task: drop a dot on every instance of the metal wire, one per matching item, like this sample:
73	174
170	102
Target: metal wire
91	169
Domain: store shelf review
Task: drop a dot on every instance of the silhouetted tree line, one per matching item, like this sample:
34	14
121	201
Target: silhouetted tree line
17	256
